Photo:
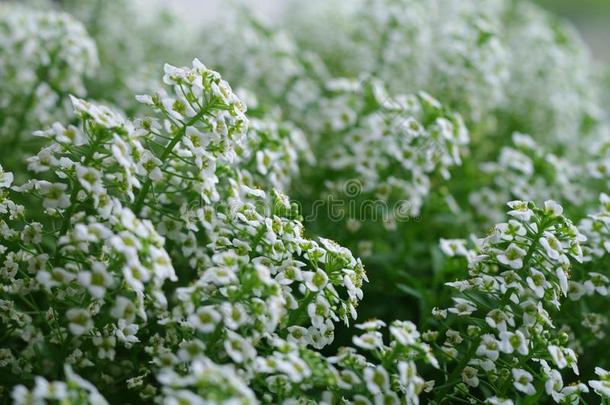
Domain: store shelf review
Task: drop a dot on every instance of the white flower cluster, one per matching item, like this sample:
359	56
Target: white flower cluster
563	101
74	389
153	248
273	153
391	145
518	277
44	56
526	171
449	48
503	66
279	72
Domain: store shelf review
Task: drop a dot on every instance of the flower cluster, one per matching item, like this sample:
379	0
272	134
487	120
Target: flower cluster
391	145
461	58
500	331
44	56
154	248
149	252
526	171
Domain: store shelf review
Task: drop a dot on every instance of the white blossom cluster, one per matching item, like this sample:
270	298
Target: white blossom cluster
149	252
500	65
125	204
44	57
508	339
563	102
526	171
453	47
391	145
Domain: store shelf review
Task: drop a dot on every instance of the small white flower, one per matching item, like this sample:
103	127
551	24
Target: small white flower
377	380
537	283
558	356
315	281
554	384
512	256
601	386
205	319
369	341
470	376
552	208
516	341
405	332
454	247
522	380
489	347
462	307
520	210
80	321
551	245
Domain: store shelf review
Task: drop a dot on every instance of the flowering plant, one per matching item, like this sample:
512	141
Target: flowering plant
191	243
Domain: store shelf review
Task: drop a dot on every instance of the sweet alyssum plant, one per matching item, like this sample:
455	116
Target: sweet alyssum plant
157	258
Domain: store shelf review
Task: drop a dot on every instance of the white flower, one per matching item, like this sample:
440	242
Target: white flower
405	332
537	282
90	179
126	332
520	210
6	178
238	348
558	356
80	321
554	384
369	341
97	280
575	290
552	208
512	256
563	280
315	281
462	307
377	380
373	324
522	380
498	319
551	245
489	347
470	376
601	386
509	231
516	341
205	319
499	401
454	247
318	311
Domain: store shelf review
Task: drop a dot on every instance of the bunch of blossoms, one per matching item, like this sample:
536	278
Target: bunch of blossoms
525	171
554	87
585	318
450	49
131	37
500	336
374	147
278	71
44	56
155	260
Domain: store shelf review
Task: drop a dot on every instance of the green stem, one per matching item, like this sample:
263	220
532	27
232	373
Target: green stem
139	201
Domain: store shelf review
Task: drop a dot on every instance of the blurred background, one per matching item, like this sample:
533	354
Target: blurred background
592	17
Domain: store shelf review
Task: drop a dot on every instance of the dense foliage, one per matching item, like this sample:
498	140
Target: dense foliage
400	201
